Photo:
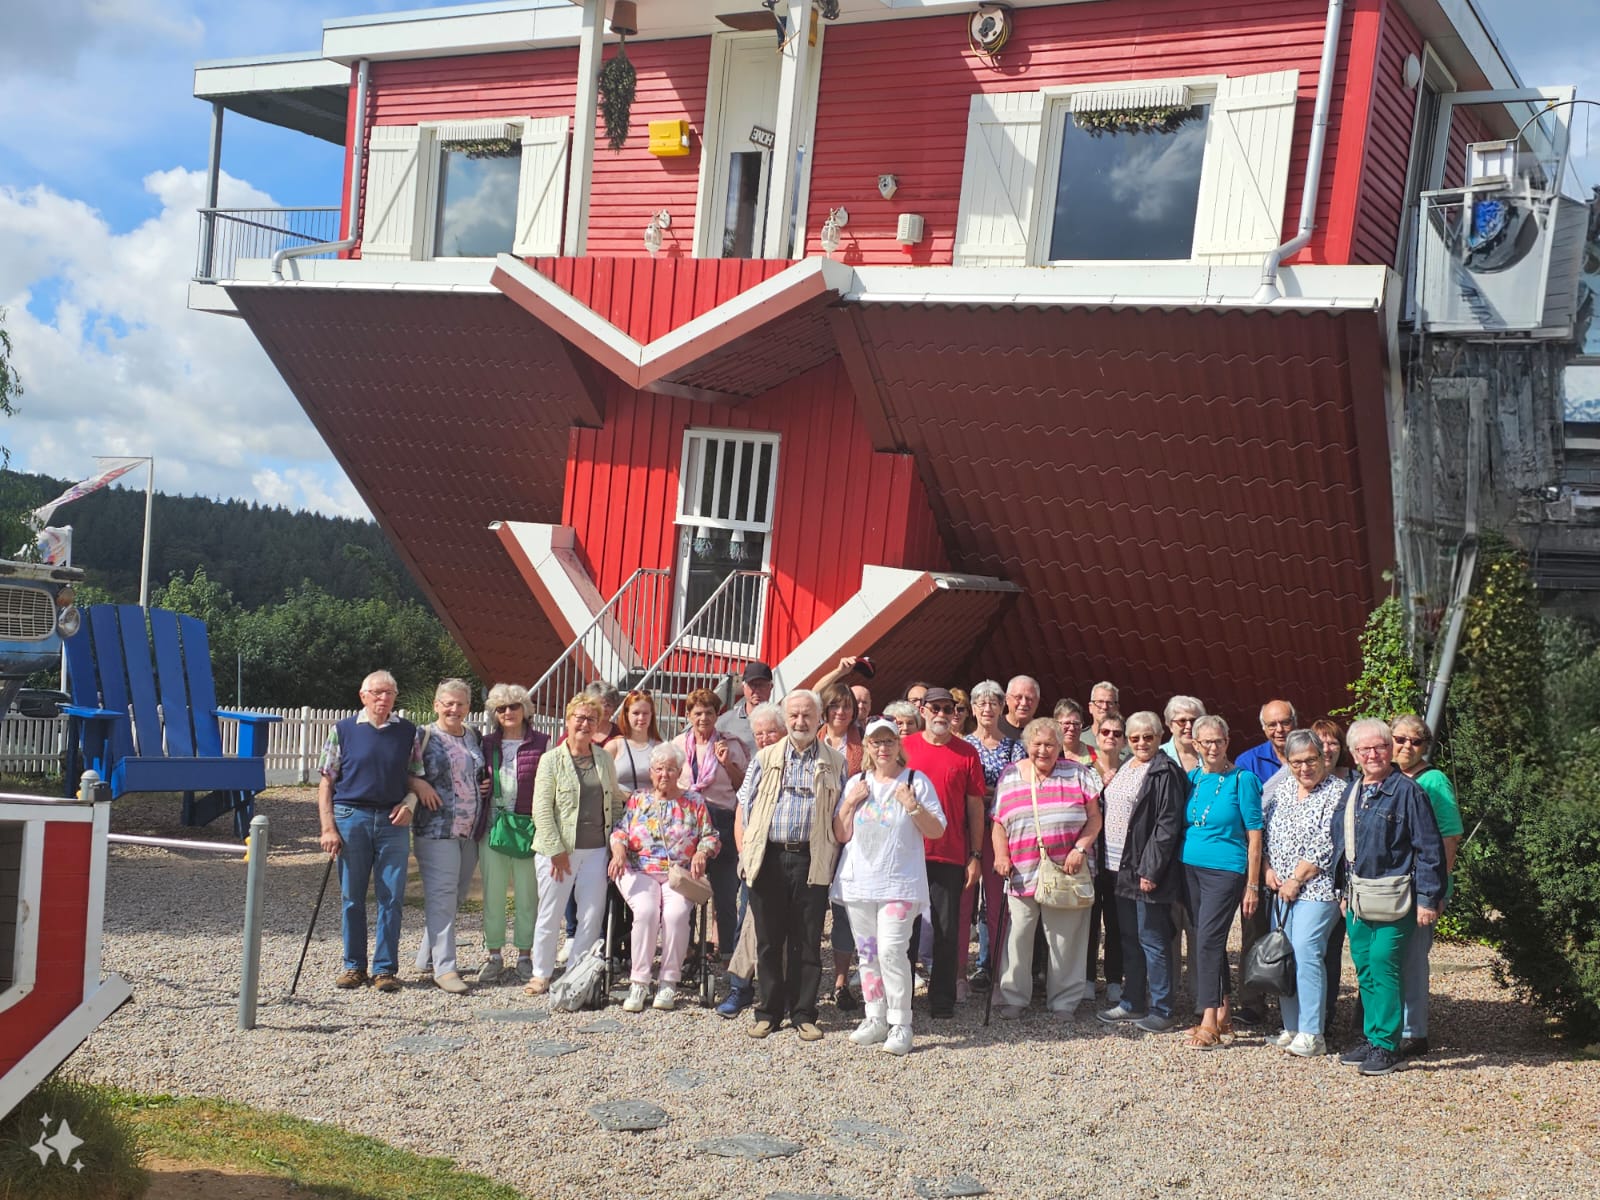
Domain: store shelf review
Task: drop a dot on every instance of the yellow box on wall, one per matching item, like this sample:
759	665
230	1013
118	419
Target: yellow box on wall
669	139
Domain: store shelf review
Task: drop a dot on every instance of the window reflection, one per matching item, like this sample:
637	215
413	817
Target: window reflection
477	202
739	214
1127	194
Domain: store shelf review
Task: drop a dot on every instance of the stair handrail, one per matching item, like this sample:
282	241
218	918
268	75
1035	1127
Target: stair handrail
688	630
606	612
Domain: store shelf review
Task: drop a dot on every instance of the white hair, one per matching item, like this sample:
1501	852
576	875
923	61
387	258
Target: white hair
1366	728
1211	721
665	752
1106	686
808	696
1143	722
987	688
767	711
1179	705
1023	680
1293	715
453	687
380	677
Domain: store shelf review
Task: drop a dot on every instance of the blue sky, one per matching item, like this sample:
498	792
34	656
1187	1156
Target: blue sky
102	162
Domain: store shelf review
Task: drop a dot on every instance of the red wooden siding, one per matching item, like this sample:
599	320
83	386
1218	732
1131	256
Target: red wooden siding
1377	216
895	95
839	503
645	297
63	922
628	185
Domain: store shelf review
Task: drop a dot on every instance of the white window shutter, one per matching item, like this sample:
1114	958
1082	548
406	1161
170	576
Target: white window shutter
999	179
394	216
542	192
1244	179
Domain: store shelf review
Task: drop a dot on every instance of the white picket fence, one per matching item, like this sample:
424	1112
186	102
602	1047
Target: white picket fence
37	746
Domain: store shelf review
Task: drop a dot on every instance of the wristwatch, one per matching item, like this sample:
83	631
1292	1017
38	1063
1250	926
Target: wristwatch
975	857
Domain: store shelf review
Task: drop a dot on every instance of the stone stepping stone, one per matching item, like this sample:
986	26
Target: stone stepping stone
426	1043
955	1185
528	1016
552	1049
757	1146
603	1025
854	1134
629	1116
684	1078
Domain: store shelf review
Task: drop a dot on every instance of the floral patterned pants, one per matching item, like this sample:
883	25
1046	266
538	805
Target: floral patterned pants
883	937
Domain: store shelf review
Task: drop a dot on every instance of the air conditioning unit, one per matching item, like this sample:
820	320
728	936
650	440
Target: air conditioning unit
1500	262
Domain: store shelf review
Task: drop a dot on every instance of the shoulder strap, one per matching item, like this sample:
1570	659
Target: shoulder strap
427	736
1350	822
1038	827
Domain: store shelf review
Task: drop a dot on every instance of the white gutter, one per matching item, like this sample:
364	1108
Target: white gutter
353	224
1319	136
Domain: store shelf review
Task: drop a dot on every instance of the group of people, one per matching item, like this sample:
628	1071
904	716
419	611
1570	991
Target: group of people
1066	834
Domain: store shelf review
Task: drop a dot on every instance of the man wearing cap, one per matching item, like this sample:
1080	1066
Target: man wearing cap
735	723
787	854
952	764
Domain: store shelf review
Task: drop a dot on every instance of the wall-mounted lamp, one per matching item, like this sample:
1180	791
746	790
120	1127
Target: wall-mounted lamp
838	218
888	185
652	232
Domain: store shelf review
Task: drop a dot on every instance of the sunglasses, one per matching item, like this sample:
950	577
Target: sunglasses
1141	738
941	707
500	708
1112	733
1401	739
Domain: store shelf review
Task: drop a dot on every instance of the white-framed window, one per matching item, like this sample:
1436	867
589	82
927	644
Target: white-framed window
465	189
1192	169
727	486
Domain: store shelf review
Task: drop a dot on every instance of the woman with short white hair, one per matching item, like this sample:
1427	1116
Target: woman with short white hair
444	838
512	752
663	828
1180	715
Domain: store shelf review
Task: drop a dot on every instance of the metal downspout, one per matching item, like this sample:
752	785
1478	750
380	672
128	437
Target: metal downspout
1319	137
353	225
1466	565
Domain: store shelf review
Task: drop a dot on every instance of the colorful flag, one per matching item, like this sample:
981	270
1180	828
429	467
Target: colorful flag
110	469
55	546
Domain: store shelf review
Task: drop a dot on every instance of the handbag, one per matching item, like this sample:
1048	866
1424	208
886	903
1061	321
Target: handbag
1055	888
695	891
1380	901
510	833
1270	966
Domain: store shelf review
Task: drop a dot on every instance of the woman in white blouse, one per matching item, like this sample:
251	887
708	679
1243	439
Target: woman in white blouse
882	878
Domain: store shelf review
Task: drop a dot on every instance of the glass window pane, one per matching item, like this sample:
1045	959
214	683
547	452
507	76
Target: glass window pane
477	203
739	215
713	555
1124	194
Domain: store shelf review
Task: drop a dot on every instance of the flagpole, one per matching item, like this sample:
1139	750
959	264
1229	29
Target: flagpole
144	563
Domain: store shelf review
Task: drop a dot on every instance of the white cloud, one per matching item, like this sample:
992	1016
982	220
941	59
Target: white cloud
121	366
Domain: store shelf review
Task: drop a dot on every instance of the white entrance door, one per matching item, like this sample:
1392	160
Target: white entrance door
745	126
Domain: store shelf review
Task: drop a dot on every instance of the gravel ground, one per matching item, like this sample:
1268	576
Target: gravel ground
1029	1110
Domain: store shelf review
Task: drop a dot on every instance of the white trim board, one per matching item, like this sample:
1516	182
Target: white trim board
57	1046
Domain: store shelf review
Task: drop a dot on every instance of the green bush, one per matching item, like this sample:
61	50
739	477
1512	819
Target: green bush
1388	682
111	1150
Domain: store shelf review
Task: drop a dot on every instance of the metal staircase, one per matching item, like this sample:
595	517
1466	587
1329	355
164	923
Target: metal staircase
630	643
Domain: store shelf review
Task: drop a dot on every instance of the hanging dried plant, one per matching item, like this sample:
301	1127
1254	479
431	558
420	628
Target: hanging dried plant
1160	119
617	78
485	148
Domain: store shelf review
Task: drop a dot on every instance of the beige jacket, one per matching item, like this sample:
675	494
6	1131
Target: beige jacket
555	799
829	781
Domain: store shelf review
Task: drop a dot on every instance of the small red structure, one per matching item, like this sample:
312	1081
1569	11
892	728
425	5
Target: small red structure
52	901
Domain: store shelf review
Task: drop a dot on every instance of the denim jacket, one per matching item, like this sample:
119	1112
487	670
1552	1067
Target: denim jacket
1395	835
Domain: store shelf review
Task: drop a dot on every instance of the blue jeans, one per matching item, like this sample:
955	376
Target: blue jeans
376	852
1309	925
1155	927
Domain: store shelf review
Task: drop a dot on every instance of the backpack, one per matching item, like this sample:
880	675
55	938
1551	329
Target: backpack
583	985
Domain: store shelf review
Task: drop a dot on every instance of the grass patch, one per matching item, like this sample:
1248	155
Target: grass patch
326	1160
110	1153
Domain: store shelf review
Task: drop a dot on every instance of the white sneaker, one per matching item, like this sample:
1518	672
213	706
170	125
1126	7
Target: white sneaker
666	998
1307	1045
561	954
870	1032
1113	994
1285	1039
637	995
898	1041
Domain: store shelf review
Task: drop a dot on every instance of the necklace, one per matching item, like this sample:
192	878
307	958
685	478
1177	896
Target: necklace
1216	791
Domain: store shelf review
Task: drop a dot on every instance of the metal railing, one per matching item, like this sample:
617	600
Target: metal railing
229	234
615	647
712	646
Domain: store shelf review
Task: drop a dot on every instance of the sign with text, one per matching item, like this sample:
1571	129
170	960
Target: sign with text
764	138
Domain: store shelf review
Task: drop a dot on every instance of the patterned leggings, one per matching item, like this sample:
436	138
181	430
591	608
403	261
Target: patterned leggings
883	931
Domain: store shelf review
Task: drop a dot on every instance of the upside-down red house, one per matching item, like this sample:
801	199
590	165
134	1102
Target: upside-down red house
1048	337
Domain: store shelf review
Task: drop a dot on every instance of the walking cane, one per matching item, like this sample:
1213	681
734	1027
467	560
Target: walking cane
997	943
326	875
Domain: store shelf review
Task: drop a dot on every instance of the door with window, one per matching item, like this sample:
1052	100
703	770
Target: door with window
746	126
726	489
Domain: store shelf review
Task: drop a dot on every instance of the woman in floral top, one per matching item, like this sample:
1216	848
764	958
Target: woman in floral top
660	829
445	838
1298	815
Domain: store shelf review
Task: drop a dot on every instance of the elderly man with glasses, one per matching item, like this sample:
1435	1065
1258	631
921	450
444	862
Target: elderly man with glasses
1022	704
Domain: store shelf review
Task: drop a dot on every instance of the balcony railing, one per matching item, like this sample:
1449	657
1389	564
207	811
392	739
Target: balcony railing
229	234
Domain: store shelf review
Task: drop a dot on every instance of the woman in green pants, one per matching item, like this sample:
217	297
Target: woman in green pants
512	754
1384	835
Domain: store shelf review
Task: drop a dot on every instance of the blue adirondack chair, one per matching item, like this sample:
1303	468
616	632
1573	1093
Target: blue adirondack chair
147	728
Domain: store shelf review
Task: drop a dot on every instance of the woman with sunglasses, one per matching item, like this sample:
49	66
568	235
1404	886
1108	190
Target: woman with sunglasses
511	755
1412	738
1297	813
1180	715
1222	869
1109	734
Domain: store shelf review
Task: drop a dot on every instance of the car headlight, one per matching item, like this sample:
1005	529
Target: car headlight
69	620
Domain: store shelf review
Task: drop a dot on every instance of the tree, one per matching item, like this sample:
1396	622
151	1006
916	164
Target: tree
14	531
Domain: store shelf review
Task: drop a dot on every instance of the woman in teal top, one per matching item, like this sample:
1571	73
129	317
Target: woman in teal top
1222	866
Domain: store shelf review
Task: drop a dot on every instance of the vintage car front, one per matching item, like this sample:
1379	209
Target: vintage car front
37	610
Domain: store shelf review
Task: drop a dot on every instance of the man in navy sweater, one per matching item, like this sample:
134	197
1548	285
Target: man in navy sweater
371	783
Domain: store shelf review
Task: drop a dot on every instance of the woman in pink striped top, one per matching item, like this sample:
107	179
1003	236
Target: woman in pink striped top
1068	821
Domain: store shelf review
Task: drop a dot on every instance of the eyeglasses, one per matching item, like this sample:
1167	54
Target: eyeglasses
1299	763
500	708
1072	721
1277	724
841	706
582	718
1182	721
961	708
1111	733
1211	743
940	706
1401	739
1368	751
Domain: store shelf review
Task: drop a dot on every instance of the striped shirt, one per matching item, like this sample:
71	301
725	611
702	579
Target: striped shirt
797	799
1063	811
